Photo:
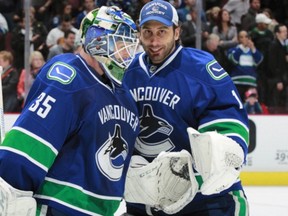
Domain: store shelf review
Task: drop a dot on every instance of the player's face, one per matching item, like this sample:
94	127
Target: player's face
158	40
121	51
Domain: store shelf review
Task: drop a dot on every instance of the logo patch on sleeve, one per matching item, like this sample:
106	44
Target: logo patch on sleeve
215	70
61	72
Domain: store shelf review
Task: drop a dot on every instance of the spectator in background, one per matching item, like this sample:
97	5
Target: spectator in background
177	3
278	69
270	15
42	5
251	103
36	61
248	20
88	5
3	25
236	9
188	30
67	46
37	34
138	6
211	45
66	9
76	4
226	31
48	9
185	10
8	8
44	10
262	37
3	31
20	14
245	58
9	79
55	34
212	16
213	3
279	8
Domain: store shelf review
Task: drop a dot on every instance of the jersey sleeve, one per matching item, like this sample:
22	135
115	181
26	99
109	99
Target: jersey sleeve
218	106
48	118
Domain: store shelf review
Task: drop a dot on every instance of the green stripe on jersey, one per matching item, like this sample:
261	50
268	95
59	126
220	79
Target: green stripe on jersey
227	127
244	80
29	145
81	200
241	204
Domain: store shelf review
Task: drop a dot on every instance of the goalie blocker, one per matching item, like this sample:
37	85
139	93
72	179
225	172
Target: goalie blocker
14	202
167	183
217	158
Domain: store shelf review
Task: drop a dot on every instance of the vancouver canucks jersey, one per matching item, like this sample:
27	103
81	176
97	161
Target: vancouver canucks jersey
190	89
245	63
73	141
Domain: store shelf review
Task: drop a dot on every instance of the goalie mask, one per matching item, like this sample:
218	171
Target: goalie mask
110	36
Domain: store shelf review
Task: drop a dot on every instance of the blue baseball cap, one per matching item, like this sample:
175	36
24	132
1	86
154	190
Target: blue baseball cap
160	11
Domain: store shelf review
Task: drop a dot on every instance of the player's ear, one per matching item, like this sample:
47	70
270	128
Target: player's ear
177	31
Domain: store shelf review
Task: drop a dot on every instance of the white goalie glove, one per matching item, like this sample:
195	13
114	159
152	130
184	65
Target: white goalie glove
167	183
217	158
14	202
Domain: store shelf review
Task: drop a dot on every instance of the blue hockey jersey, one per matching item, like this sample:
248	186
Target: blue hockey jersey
190	89
245	64
73	141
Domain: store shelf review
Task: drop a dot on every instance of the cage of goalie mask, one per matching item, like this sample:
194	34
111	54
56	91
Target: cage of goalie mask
110	36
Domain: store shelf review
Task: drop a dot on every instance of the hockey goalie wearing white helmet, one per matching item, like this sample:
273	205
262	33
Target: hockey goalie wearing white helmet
69	150
179	90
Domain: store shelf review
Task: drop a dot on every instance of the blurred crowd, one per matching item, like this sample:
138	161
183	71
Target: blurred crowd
247	37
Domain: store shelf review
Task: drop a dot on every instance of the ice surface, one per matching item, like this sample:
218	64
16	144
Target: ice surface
263	201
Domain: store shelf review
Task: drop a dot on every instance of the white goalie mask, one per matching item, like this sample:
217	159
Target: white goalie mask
110	36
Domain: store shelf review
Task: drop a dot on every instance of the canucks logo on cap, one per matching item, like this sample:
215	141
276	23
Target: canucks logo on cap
155	9
159	10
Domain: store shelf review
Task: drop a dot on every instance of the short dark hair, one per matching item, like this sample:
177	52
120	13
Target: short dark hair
277	27
68	32
66	18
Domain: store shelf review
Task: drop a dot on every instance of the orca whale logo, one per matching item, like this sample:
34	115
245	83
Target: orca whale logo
112	154
154	134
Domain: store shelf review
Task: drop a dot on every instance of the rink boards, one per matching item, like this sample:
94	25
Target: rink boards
267	159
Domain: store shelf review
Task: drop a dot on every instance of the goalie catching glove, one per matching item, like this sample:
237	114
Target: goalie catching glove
14	202
217	158
167	183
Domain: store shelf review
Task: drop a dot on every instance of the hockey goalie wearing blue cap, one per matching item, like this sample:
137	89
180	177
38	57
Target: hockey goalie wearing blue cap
194	132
